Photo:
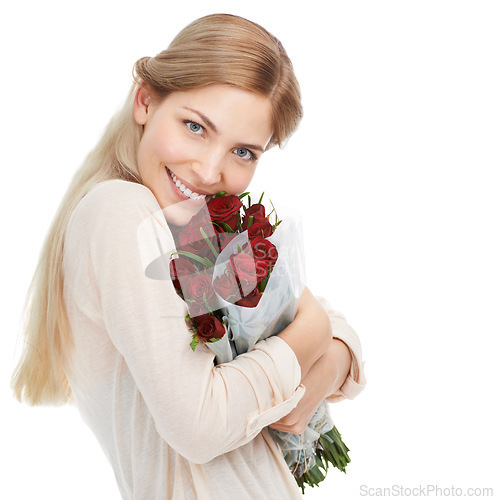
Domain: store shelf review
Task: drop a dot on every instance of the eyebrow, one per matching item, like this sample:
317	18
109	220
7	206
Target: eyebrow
213	127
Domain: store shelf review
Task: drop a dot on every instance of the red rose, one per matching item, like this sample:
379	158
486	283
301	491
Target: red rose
180	269
262	269
210	328
264	250
191	237
226	287
192	240
243	268
250	300
197	287
225	209
262	229
256	211
198	319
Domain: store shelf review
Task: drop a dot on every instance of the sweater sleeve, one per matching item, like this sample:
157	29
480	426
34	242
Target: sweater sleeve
199	409
355	381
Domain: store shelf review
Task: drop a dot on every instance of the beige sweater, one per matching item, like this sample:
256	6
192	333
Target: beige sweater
172	424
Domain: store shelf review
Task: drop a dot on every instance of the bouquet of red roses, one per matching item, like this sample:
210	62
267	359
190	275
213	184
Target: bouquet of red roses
241	277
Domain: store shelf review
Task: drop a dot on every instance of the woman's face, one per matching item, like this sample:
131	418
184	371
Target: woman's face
199	142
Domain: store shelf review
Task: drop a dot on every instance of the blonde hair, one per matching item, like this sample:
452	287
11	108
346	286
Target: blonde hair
219	48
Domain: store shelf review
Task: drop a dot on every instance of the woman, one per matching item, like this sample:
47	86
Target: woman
101	333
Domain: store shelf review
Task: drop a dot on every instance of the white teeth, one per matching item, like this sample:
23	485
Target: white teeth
186	191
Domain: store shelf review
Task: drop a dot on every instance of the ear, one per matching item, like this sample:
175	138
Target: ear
141	105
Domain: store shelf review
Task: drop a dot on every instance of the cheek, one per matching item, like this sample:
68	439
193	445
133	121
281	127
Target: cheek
168	152
167	147
161	146
240	180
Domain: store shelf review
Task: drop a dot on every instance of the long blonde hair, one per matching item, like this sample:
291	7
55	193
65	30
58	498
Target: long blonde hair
219	48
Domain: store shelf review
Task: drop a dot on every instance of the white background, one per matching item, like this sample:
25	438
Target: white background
391	169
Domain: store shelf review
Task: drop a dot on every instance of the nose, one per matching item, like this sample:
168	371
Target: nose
209	168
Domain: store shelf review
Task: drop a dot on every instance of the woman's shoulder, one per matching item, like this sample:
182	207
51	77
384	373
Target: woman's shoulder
117	195
116	217
113	203
117	191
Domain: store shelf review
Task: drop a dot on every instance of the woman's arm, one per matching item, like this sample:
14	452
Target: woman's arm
309	335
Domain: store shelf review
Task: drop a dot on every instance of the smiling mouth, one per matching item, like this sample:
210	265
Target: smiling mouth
184	190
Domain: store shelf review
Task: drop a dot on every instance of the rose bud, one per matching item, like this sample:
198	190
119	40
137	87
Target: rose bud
210	328
256	211
261	229
225	209
250	300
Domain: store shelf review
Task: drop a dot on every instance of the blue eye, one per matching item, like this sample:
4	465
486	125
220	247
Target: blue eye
245	153
194	127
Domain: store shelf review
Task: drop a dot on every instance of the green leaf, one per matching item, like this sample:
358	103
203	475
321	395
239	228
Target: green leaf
213	340
276	224
275	213
260	199
240	196
208	241
203	260
227	228
263	283
194	342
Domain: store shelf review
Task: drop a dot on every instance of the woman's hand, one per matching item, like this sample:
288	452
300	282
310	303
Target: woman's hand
297	420
325	377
